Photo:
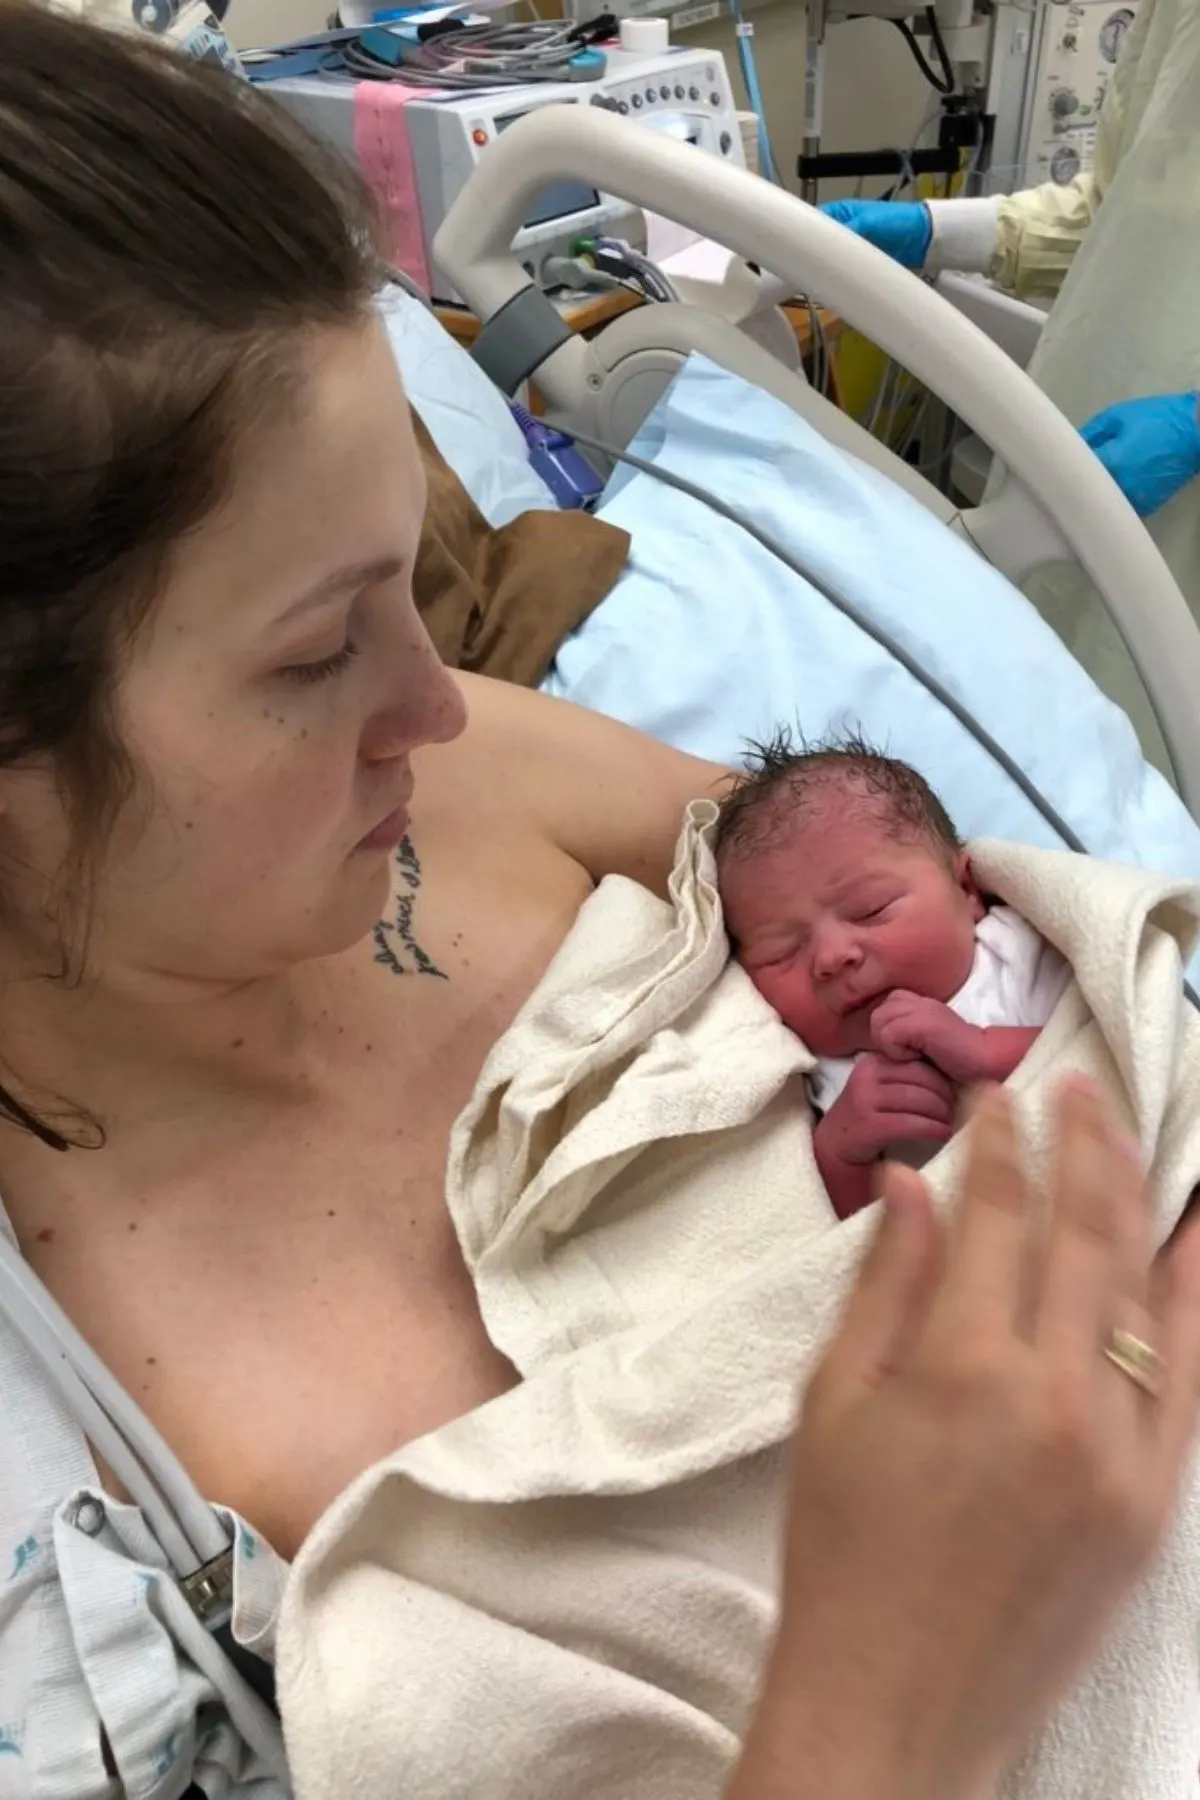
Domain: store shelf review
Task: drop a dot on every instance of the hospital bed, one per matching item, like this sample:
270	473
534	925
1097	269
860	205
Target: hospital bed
706	651
1056	503
1016	325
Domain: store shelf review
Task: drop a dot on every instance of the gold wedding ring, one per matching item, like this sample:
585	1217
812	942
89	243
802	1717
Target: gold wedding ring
1136	1359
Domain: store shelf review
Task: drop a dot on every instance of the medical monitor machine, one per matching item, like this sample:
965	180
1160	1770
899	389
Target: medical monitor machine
680	92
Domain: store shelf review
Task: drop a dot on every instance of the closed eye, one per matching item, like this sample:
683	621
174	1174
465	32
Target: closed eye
326	668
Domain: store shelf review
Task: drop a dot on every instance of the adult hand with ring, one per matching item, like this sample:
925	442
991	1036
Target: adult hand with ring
976	1486
1136	1359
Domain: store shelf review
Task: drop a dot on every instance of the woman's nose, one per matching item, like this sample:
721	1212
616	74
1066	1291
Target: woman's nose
425	704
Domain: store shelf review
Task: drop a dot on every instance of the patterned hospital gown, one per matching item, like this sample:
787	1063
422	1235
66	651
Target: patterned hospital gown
90	1657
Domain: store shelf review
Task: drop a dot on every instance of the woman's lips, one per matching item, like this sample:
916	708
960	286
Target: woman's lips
388	833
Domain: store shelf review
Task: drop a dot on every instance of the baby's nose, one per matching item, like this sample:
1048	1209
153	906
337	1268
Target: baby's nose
835	951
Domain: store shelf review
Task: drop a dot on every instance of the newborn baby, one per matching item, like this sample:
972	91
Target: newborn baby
850	903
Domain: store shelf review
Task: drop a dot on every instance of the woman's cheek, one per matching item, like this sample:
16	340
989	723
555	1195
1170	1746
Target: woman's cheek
300	792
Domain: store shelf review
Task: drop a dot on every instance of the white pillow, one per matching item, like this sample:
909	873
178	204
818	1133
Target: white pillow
467	418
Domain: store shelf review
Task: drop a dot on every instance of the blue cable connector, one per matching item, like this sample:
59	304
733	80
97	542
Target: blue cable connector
553	455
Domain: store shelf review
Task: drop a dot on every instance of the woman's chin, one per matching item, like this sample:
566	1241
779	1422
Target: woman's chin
357	910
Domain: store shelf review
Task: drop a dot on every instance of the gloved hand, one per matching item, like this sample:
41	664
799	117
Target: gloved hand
1150	447
901	229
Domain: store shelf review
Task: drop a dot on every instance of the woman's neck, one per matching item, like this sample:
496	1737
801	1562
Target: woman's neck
130	1046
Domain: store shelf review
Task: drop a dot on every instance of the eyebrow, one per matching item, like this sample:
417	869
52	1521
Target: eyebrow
867	881
342	581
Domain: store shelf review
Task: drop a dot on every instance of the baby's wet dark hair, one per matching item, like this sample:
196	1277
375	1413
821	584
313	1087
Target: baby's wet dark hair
786	779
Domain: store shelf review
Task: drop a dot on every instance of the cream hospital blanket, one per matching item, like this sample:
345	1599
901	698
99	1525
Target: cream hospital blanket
568	1594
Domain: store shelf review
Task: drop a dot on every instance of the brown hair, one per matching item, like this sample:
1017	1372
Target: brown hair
785	776
166	240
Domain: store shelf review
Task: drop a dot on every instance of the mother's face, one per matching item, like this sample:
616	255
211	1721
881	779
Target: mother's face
273	700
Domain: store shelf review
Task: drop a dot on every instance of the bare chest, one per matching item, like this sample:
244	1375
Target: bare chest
286	1297
291	1310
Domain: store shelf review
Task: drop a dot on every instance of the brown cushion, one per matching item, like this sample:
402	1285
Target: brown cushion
500	602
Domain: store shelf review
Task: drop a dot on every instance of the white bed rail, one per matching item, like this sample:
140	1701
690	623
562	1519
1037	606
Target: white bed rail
1042	452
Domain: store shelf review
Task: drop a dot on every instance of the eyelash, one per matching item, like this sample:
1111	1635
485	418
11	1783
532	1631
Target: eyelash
307	673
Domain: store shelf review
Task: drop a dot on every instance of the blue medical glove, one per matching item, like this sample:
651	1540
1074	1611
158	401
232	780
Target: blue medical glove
902	229
1150	447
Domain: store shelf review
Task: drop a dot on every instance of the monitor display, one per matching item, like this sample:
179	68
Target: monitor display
558	199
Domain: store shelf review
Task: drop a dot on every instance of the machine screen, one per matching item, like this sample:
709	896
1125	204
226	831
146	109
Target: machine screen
559	198
679	126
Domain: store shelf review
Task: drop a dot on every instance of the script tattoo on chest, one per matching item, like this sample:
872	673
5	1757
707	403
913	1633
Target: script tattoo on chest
396	946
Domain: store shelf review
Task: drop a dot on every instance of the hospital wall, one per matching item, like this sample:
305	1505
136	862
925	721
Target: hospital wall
874	94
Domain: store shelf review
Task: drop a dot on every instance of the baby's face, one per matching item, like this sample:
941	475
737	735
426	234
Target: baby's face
831	917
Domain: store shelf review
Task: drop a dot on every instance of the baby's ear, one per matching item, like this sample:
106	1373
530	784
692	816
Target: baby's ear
965	877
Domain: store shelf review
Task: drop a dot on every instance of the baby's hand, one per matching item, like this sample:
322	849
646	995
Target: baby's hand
882	1103
908	1026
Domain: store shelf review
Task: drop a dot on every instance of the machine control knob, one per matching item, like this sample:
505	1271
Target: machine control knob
623	107
1064	103
1064	165
726	143
714	99
679	91
693	93
636	101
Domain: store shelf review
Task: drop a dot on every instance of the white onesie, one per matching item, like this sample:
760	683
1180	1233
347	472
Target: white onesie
1017	978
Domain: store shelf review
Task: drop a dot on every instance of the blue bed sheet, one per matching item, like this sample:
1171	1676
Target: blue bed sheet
708	640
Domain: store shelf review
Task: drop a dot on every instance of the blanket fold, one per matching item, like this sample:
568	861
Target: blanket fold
500	600
571	1590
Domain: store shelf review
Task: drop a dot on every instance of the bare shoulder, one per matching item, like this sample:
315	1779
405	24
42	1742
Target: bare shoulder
608	796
